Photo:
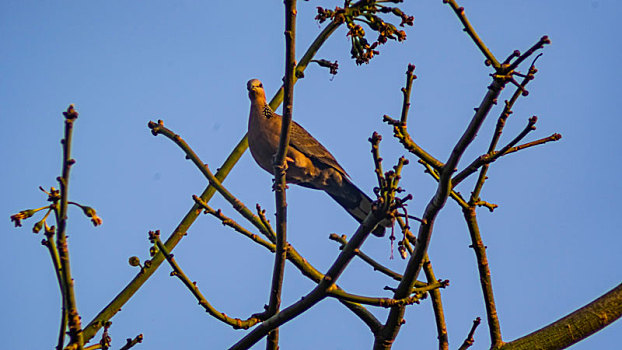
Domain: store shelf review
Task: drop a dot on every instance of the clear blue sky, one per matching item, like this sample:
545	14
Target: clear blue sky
553	244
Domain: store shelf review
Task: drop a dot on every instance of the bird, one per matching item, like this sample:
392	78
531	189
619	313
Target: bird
309	163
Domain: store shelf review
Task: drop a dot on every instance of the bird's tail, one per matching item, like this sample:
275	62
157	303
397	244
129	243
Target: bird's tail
357	203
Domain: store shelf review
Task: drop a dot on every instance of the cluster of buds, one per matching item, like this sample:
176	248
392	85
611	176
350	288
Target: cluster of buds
54	197
366	12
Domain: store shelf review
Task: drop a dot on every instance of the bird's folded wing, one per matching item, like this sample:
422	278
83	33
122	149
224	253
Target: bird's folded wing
306	144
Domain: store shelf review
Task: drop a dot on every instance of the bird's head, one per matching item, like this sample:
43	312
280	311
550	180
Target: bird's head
255	91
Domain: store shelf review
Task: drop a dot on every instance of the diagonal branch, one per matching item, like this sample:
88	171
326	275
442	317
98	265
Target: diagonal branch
236	323
505	114
394	321
318	293
227	221
492	156
468	28
574	327
124	295
468	342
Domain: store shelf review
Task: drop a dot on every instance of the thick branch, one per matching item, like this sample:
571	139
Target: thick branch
319	292
574	327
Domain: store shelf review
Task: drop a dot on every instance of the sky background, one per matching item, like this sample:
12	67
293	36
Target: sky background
553	243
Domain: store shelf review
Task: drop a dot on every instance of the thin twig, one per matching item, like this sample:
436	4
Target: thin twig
227	221
236	323
377	301
437	306
401	133
50	244
505	114
131	342
493	156
468	342
373	263
485	279
406	91
537	46
369	260
468	28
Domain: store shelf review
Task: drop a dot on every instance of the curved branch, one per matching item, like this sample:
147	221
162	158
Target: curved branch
575	327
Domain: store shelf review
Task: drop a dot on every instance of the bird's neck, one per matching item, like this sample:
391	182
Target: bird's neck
262	107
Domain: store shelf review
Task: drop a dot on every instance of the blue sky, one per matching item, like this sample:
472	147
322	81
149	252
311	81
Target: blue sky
553	244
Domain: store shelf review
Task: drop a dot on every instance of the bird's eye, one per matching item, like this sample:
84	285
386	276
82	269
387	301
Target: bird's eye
260	85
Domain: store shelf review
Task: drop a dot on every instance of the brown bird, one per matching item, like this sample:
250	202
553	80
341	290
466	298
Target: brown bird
309	164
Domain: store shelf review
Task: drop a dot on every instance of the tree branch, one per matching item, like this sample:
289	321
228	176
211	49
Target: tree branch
484	276
236	323
574	327
280	168
115	305
75	327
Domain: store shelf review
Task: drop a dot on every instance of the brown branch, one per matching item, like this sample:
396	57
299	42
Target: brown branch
131	342
382	206
75	326
537	46
124	295
484	276
236	323
366	258
505	114
420	293
373	263
299	262
574	327
280	168
132	287
437	306
227	221
491	157
468	28
319	292
406	91
49	243
395	318
468	342
266	223
454	195
401	133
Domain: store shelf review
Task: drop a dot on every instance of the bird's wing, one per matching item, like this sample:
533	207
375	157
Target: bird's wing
306	144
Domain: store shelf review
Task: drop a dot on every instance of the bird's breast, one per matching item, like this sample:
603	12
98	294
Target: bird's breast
263	138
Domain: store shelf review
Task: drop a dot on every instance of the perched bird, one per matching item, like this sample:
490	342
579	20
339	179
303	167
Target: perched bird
309	164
